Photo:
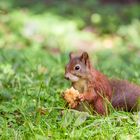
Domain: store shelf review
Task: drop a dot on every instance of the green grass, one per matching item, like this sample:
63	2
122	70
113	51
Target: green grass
30	98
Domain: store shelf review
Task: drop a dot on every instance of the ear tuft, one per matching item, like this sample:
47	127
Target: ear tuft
85	59
71	55
84	56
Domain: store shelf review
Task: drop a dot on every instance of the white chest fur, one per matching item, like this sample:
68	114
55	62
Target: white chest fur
80	85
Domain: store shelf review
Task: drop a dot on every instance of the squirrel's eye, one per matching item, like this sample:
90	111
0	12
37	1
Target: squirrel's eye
77	67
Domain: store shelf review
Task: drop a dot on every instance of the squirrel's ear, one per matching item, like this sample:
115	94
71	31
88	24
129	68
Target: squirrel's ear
71	55
85	59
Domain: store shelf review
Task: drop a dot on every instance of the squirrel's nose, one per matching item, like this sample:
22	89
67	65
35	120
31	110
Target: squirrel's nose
66	76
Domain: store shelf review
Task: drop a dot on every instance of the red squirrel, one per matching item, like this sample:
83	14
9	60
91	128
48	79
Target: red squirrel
93	86
96	89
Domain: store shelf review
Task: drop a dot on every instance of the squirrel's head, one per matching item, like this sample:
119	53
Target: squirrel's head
78	67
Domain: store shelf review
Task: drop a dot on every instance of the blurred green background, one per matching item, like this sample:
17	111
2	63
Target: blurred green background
73	23
36	37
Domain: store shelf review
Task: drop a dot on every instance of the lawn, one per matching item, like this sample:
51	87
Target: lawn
34	47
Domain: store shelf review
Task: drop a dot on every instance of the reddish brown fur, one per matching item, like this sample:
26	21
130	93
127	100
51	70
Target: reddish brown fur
126	95
98	89
93	85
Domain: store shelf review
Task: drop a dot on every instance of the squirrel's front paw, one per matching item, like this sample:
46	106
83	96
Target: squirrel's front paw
81	97
73	105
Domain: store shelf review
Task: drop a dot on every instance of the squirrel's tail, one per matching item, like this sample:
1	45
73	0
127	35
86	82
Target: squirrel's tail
126	96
